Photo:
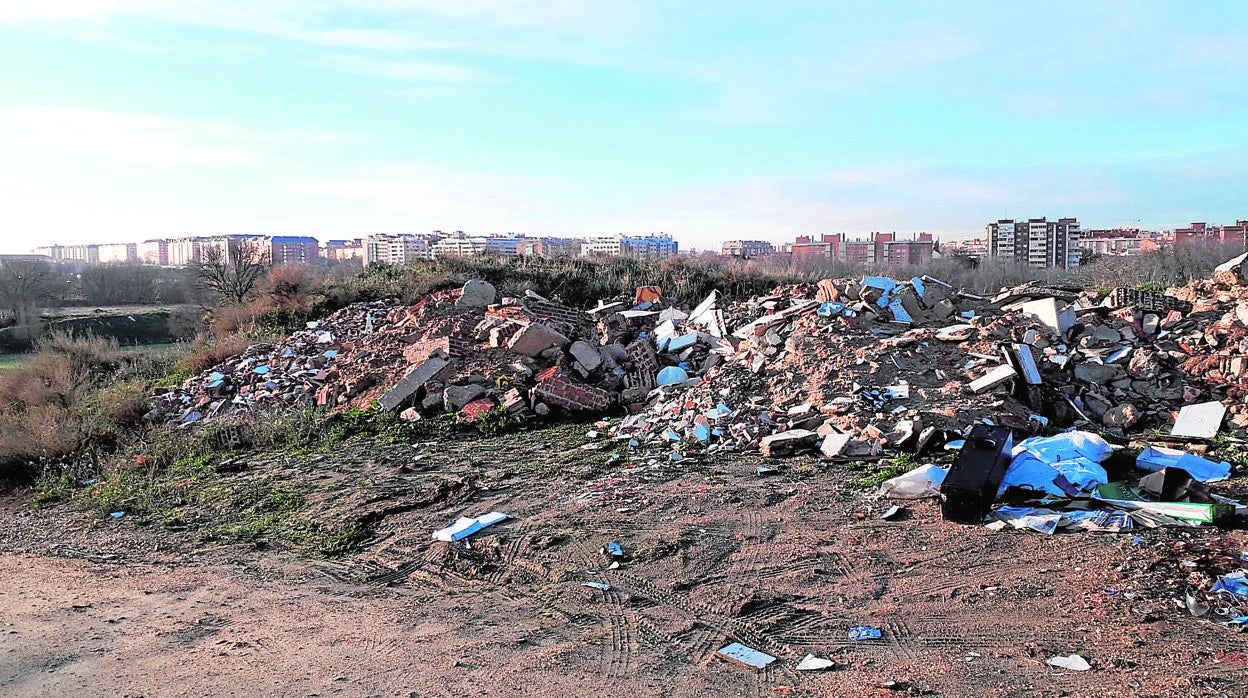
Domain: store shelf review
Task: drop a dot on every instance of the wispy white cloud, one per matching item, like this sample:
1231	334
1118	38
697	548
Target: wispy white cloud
413	70
426	192
131	139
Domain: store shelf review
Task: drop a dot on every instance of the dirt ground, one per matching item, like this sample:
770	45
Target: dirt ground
785	564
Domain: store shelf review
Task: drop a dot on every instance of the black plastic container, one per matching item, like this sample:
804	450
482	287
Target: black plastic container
971	485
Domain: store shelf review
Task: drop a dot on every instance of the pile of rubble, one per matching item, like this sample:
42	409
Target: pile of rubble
851	367
855	368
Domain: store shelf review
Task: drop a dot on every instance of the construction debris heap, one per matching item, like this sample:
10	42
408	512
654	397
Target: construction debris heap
849	367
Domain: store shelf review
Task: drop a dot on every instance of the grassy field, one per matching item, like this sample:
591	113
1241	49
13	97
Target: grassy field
11	361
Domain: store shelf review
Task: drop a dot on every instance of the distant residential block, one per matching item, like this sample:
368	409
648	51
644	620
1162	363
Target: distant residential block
601	246
548	247
118	253
747	249
344	250
882	249
1119	241
1236	234
294	249
461	245
182	252
1037	242
153	252
648	246
395	249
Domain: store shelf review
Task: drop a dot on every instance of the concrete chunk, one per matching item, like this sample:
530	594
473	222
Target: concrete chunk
993	378
834	445
586	354
476	294
787	443
456	396
395	398
535	339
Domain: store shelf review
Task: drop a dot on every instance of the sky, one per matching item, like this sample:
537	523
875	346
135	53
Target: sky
122	120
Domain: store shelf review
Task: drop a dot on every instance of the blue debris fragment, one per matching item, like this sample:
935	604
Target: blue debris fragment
864	632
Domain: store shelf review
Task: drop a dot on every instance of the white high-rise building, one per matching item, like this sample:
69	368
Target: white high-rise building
397	249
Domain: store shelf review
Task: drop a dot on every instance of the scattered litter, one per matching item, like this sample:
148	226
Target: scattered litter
864	632
465	526
740	654
923	481
601	586
892	513
812	663
1072	662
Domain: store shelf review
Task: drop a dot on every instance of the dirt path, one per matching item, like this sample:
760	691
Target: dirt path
716	555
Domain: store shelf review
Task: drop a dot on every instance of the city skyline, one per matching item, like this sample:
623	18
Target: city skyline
122	120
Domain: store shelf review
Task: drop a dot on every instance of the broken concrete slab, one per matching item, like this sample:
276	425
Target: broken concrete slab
1050	313
477	294
993	378
536	338
834	444
1231	272
456	396
1202	421
396	397
586	354
787	443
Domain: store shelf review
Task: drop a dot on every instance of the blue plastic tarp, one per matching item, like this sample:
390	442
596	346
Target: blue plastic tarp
1157	457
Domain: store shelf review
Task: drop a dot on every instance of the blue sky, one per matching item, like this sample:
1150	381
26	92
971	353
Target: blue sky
127	119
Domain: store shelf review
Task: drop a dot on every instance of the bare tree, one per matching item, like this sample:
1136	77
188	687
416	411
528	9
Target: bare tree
119	284
25	287
234	269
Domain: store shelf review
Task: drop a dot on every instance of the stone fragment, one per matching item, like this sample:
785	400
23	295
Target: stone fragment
787	443
402	392
534	339
586	354
1097	374
456	396
476	294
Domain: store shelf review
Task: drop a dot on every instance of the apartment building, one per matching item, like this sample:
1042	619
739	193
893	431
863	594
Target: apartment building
182	252
503	245
548	247
154	252
747	249
892	251
294	249
343	250
1119	241
54	253
885	249
118	253
1236	234
1037	242
648	246
395	249
461	245
229	247
602	246
806	248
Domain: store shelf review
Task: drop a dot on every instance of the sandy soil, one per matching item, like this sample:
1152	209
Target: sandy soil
783	564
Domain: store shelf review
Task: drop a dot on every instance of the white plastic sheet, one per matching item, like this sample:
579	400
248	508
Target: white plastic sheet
923	481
